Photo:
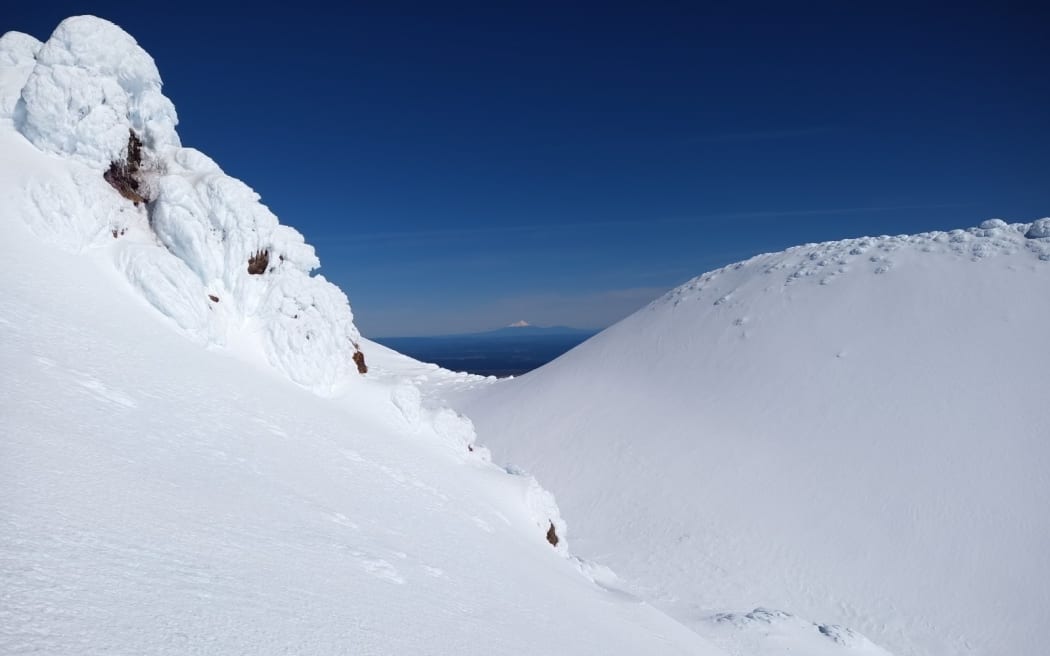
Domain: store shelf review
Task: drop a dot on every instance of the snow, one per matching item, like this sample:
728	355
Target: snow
159	498
1039	230
18	49
838	449
854	433
17	57
91	84
190	462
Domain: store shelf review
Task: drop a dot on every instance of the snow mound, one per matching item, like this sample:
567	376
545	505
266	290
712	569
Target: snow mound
188	253
91	84
853	432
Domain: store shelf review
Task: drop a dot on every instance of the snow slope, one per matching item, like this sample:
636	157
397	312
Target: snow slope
173	479
854	432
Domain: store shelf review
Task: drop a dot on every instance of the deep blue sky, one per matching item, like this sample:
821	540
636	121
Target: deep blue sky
461	168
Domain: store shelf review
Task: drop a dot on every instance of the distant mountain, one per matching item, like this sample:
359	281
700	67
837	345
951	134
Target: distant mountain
509	351
528	330
519	329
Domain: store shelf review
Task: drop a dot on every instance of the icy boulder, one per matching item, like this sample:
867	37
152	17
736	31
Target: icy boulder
17	57
17	49
216	223
92	83
1039	229
238	251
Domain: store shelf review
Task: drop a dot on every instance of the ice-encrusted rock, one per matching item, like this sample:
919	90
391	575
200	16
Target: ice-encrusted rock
17	57
215	223
91	84
308	329
1039	229
18	49
542	510
82	92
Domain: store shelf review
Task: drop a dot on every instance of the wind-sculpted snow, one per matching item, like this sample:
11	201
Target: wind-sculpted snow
91	84
853	432
18	49
214	224
17	58
72	210
81	94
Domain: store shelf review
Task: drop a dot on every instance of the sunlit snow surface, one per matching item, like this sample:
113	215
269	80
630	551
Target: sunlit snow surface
856	433
839	441
173	479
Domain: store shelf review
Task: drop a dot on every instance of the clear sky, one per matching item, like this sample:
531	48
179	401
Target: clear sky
461	167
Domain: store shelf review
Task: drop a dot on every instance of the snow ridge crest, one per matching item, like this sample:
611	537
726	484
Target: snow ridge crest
828	262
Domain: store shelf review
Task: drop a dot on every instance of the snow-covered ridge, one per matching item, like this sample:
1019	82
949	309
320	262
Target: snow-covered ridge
823	263
79	96
852	432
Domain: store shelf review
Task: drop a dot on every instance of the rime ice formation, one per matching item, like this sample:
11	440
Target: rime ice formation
89	87
91	84
17	52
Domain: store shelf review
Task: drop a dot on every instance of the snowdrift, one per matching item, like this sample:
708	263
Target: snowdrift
853	432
